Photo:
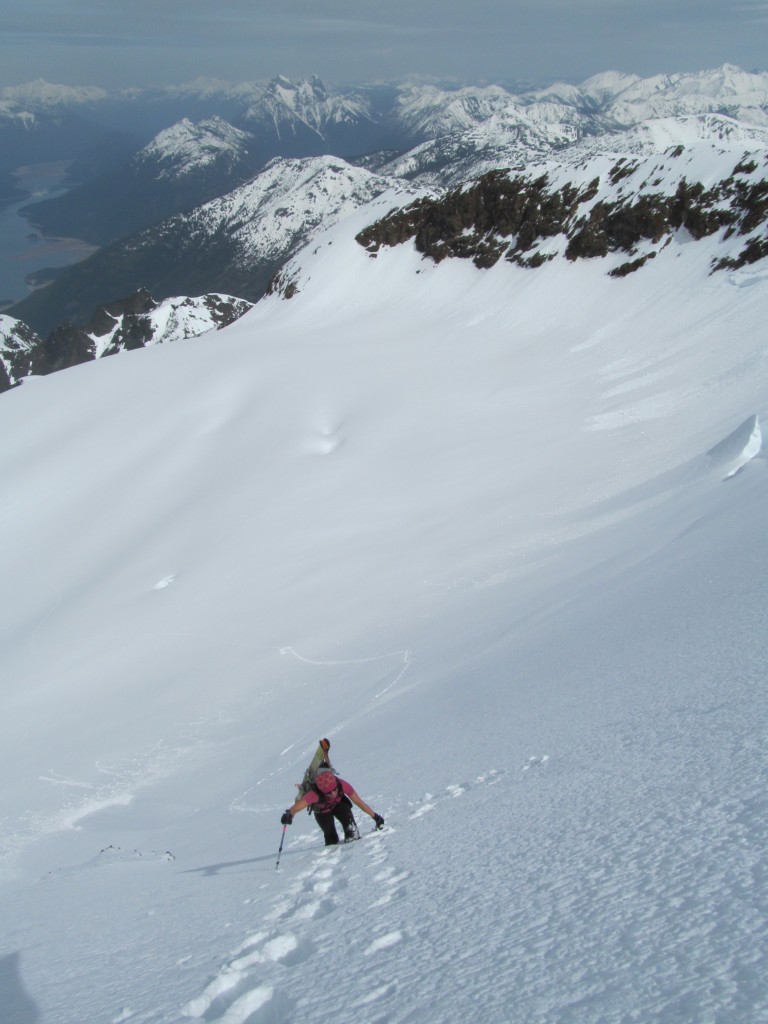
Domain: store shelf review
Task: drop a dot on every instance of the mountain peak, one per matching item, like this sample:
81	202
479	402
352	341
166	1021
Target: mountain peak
292	109
189	145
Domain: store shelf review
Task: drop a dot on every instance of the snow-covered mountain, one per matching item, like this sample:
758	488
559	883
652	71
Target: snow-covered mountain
181	167
42	96
726	90
137	321
626	100
428	112
506	139
32	97
289	107
306	118
187	148
236	243
600	207
284	207
657	135
421	111
499	534
242	239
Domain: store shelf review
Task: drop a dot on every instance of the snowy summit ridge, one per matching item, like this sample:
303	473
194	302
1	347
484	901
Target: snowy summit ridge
290	107
189	147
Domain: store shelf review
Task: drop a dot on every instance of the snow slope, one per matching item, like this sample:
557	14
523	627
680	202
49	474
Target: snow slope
500	535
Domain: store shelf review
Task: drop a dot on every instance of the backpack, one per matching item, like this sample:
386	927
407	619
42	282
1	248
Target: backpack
320	760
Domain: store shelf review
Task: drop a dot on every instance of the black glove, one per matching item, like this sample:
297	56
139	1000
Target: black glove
379	821
287	818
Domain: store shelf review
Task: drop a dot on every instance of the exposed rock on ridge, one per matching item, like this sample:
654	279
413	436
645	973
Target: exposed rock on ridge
514	217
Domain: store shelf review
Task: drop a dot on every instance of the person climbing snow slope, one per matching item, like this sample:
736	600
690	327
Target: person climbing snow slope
331	799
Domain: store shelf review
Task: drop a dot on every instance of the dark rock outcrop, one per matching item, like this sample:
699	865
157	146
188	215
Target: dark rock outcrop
512	217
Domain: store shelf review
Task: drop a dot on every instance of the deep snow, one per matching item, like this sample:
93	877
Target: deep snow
501	536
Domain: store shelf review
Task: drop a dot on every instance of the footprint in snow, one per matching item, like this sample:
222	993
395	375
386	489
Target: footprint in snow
534	762
384	942
246	1005
377	994
392	880
427	806
231	996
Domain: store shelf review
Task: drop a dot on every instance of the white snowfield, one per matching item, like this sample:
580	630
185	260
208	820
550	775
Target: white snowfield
501	535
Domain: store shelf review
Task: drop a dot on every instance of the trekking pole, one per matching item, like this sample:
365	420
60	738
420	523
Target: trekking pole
282	840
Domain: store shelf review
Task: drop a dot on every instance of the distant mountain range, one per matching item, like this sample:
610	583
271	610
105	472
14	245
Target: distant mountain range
220	204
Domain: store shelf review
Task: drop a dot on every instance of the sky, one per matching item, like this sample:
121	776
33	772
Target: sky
126	43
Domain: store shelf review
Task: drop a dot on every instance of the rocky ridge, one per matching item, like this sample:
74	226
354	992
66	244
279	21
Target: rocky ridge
625	208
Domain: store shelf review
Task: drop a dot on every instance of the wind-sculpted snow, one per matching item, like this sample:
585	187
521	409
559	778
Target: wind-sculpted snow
530	922
737	450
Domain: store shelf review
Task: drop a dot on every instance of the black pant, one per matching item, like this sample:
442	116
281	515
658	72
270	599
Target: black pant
342	812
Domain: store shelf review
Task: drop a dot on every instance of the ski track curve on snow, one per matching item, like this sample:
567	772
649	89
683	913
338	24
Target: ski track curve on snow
404	659
404	655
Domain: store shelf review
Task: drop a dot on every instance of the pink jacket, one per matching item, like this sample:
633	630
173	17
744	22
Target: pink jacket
329	801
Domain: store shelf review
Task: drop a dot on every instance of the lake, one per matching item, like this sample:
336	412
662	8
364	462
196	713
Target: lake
23	250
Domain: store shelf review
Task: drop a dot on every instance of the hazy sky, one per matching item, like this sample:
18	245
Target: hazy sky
118	43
